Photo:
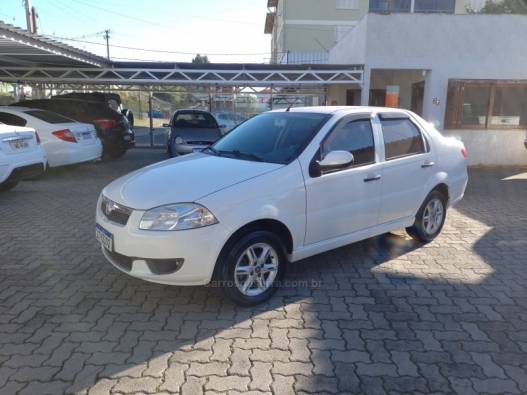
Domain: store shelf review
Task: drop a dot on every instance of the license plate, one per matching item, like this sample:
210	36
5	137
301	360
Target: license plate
19	144
86	136
104	237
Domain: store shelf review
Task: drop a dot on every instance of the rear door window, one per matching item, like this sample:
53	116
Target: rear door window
48	116
401	138
12	119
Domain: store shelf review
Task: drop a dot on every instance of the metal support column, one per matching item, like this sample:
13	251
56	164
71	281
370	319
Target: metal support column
150	117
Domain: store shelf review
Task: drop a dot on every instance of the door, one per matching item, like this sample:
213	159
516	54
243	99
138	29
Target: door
418	93
343	201
407	167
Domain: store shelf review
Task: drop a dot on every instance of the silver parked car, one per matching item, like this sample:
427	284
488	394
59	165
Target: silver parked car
190	131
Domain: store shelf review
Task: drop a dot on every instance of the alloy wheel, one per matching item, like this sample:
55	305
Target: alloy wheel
256	269
433	216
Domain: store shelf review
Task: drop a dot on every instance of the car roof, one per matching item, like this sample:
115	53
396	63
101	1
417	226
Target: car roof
17	108
343	109
190	110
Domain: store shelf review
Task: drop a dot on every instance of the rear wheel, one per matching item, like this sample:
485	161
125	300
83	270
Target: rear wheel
115	151
7	185
250	270
430	218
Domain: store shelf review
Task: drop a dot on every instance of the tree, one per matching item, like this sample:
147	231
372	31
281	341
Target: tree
198	59
502	7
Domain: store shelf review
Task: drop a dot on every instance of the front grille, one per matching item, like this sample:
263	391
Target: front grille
124	262
114	211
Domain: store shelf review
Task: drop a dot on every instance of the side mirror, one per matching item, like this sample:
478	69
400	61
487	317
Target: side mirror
336	160
166	125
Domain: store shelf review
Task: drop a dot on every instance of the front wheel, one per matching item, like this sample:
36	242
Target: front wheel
430	218
251	269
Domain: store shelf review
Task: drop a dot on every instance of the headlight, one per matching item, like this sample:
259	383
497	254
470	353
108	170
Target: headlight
179	140
177	217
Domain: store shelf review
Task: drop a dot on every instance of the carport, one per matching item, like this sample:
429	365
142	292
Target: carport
49	66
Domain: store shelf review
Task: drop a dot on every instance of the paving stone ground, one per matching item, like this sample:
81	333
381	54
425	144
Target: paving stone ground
381	316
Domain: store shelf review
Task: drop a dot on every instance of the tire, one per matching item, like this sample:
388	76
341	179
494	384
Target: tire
7	185
169	151
259	284
115	151
430	218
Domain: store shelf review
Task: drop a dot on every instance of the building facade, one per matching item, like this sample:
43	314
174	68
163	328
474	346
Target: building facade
465	73
304	31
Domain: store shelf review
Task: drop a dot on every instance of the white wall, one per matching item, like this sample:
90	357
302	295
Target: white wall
449	47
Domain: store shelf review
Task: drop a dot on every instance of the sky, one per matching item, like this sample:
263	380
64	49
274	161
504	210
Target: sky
212	27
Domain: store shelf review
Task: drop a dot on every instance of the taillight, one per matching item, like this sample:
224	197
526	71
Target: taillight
105	123
464	152
65	135
37	137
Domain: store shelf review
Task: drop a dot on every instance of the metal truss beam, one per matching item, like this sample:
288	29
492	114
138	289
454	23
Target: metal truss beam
155	77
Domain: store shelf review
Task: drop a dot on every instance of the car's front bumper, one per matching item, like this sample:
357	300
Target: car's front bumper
184	257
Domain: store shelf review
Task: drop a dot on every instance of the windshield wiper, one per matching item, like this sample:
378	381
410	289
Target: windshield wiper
213	150
239	154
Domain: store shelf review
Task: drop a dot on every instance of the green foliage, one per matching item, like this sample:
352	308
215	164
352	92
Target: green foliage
198	59
502	7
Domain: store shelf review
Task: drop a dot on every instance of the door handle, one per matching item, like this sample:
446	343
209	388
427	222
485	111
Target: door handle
373	177
428	163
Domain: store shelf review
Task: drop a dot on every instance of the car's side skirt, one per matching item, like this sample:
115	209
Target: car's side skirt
326	245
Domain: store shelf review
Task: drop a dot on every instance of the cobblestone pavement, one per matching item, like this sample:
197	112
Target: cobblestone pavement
381	316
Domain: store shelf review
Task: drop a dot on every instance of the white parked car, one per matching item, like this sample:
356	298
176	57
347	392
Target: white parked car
281	187
21	155
65	141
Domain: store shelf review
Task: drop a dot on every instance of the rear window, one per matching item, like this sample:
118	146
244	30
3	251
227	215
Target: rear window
195	120
48	116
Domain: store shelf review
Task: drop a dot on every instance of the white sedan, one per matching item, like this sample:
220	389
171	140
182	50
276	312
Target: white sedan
65	141
21	155
281	187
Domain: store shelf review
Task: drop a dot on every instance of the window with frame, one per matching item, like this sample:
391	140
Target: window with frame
12	119
486	104
347	4
354	136
401	138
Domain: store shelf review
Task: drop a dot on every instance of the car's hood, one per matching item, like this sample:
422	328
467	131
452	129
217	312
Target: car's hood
182	179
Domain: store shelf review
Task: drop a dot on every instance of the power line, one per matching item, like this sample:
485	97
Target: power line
157	50
84	3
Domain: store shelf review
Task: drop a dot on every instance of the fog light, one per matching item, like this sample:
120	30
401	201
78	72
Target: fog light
164	266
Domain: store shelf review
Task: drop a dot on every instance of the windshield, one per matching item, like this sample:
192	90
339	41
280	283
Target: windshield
48	116
276	137
196	120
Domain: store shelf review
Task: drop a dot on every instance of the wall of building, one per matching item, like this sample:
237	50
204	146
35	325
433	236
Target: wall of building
448	47
493	147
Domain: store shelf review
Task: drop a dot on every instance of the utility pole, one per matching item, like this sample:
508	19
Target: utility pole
29	16
107	38
34	19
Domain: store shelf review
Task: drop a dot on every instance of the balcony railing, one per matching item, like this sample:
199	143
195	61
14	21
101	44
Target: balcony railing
305	58
421	6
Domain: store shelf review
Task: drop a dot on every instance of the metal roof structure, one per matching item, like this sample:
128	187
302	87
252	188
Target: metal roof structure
31	58
20	48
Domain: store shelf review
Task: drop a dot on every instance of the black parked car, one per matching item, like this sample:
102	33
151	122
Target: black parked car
112	99
190	131
112	127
